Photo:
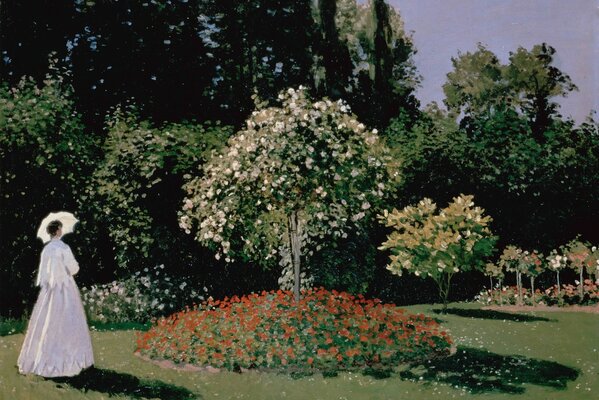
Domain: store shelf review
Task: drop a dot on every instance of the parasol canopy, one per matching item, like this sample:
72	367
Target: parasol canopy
68	224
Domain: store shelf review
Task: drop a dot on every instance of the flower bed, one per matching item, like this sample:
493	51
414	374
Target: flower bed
567	295
326	331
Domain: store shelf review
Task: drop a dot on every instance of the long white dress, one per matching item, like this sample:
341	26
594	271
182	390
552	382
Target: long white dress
57	342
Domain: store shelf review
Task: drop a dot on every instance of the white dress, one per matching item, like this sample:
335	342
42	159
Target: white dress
57	342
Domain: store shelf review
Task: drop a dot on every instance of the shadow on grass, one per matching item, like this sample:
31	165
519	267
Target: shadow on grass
491	314
117	383
481	371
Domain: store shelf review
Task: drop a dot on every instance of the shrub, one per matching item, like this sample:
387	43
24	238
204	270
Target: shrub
45	157
134	191
325	330
139	298
436	243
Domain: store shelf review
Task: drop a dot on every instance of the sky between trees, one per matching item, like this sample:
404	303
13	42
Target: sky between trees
442	27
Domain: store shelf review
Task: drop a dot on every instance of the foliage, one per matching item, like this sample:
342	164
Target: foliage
364	55
11	326
347	265
140	297
533	80
326	331
539	184
432	143
45	159
480	84
208	57
134	190
532	263
570	294
582	256
308	161
540	192
494	270
463	94
439	244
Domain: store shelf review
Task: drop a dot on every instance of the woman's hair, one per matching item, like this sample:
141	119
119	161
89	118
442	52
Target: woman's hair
53	227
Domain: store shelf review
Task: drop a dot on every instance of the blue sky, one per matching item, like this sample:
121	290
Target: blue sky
442	27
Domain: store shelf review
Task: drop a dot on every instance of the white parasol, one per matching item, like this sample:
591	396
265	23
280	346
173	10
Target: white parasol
68	224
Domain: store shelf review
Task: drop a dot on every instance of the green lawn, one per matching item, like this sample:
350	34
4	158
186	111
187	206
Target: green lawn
544	356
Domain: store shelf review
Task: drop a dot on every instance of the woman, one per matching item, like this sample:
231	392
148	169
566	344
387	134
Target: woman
57	342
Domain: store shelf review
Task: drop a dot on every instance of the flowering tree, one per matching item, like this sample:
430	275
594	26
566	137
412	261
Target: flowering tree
556	262
297	174
494	271
439	244
581	255
532	266
510	260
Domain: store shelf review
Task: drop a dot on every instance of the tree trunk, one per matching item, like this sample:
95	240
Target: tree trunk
581	284
294	242
532	289
519	287
491	279
444	284
500	290
558	284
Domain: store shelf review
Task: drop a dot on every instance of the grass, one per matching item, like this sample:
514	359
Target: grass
11	326
554	356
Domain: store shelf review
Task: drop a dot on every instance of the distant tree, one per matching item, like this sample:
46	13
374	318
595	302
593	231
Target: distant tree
494	271
476	84
582	255
365	56
533	82
556	262
510	260
480	84
533	267
526	182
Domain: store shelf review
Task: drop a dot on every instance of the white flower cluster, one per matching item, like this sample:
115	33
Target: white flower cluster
312	158
556	261
139	297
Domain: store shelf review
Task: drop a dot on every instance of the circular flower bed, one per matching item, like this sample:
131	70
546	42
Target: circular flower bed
325	330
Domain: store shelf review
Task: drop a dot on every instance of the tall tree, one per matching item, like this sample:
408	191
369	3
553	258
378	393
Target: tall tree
365	56
534	81
480	84
157	53
475	85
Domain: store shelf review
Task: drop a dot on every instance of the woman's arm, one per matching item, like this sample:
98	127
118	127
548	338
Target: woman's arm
70	262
